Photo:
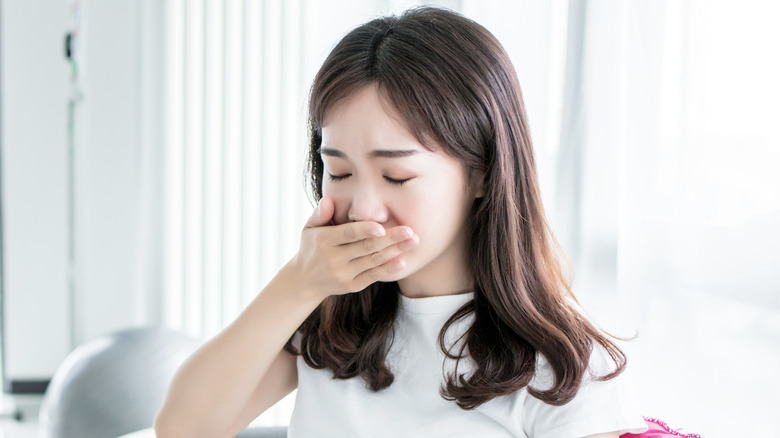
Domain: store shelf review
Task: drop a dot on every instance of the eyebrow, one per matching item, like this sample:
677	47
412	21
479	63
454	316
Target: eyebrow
378	153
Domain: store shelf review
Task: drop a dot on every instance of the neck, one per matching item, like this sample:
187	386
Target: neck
446	276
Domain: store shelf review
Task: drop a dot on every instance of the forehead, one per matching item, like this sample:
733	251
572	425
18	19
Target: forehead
366	119
365	98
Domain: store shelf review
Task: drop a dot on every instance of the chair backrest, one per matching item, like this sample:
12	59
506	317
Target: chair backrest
264	432
114	385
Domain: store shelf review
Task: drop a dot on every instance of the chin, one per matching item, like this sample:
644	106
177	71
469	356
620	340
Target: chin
397	277
408	271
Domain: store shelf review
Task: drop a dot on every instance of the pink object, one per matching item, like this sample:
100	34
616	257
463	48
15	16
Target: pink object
658	429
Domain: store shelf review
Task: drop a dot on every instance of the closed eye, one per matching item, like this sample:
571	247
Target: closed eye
337	178
397	182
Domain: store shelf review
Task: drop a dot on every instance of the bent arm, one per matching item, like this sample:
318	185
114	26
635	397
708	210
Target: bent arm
280	380
213	389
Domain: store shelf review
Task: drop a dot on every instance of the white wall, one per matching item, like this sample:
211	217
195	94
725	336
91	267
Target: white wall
108	184
111	291
34	94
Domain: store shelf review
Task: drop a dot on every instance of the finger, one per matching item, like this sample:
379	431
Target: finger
368	246
323	214
384	272
381	257
350	233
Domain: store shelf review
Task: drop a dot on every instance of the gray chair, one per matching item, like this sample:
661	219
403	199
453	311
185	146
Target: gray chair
263	432
113	385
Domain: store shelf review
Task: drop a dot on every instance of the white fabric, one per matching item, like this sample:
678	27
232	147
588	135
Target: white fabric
413	406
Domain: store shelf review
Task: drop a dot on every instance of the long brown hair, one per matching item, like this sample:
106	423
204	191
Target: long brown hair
453	83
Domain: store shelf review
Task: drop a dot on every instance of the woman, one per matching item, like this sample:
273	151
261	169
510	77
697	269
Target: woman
426	298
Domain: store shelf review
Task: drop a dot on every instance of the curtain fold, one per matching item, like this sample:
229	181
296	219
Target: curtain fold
233	206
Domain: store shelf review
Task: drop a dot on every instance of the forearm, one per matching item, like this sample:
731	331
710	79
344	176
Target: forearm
215	383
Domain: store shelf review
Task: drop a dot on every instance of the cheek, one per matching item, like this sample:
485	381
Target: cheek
421	211
438	216
409	211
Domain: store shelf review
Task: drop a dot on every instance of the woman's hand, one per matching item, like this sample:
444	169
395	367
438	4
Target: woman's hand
338	259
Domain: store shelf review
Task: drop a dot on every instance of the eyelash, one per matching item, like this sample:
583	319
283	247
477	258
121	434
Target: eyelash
397	182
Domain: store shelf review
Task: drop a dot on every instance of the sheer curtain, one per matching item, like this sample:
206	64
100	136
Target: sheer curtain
668	199
651	122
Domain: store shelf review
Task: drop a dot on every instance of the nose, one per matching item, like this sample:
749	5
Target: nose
367	205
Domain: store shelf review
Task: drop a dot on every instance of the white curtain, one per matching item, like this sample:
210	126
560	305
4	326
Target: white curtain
669	198
651	122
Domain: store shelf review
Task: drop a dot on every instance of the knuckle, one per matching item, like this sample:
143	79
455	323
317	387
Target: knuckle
377	258
369	245
350	233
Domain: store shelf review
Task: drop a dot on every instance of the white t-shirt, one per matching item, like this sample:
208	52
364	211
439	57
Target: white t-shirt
412	406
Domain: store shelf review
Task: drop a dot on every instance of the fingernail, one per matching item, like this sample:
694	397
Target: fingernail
407	233
408	244
398	267
378	232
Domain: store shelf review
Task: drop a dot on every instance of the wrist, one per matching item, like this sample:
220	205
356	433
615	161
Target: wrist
292	282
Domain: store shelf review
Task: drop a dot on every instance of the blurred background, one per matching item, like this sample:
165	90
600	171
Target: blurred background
152	163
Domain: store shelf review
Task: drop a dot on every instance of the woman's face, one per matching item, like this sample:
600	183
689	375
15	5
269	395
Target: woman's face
376	170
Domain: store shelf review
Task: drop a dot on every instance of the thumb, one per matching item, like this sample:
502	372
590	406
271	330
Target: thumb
323	214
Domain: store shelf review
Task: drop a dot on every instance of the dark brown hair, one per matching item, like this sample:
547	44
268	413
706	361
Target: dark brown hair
454	84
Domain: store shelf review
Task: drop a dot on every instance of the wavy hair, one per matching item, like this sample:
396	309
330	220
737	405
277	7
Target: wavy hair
453	83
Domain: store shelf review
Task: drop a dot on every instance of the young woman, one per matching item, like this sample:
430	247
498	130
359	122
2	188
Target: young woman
427	297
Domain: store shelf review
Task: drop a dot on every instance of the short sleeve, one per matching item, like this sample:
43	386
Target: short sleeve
599	406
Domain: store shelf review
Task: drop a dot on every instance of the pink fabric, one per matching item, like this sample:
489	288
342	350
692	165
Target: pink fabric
659	429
